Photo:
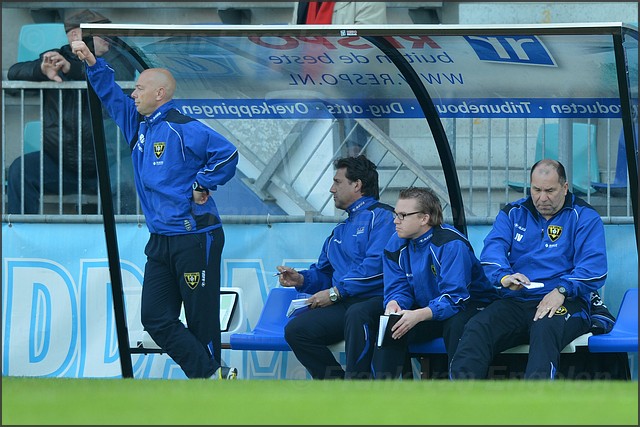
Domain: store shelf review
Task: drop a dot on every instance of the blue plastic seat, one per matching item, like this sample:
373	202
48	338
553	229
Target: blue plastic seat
32	136
37	38
584	147
624	335
268	333
435	346
620	181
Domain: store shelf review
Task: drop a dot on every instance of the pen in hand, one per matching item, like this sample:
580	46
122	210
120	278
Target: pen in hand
279	273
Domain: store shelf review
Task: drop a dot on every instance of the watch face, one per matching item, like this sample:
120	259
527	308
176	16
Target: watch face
562	290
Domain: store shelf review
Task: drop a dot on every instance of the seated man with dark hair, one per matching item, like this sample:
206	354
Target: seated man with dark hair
346	281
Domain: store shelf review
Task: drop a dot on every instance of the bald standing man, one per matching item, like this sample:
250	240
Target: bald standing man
178	161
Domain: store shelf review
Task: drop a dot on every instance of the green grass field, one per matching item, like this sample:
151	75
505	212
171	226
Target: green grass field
59	401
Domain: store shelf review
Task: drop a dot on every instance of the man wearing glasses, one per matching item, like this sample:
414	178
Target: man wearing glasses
431	278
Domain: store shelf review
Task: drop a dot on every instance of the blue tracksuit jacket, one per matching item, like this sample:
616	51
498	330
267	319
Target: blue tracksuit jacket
351	257
568	250
437	270
169	151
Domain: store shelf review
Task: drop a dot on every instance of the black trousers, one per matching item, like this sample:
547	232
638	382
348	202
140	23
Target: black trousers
507	323
354	320
185	270
390	361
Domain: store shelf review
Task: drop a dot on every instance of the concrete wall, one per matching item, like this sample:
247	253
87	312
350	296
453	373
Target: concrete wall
546	12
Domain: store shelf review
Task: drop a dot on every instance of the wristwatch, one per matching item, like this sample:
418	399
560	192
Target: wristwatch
333	295
563	291
197	187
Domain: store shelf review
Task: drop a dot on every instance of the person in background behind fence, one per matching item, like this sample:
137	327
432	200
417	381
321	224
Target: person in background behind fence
177	162
343	13
61	65
346	281
339	12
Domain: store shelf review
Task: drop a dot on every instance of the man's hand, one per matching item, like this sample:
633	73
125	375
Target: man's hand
320	299
200	197
515	282
289	277
52	63
392	307
409	319
549	304
81	50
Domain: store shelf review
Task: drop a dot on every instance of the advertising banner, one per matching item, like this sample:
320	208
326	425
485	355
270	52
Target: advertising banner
57	307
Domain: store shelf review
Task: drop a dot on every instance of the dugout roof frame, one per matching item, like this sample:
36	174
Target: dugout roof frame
200	55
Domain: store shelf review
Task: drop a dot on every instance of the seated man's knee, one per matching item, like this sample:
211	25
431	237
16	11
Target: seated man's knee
362	313
292	331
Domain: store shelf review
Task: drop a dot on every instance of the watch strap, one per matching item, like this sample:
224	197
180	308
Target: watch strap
197	187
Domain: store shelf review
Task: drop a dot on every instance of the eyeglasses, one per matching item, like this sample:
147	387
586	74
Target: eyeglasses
401	216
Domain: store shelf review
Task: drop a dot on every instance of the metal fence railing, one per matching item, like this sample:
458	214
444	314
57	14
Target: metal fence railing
492	158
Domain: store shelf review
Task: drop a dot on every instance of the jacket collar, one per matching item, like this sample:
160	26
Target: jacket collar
528	204
160	113
423	240
361	204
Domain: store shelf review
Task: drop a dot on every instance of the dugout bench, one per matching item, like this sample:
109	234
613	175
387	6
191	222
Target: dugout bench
587	357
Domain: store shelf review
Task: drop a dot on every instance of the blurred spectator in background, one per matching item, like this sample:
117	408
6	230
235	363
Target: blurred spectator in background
343	12
61	65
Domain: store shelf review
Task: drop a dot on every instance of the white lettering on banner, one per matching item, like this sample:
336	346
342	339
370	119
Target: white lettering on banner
71	329
407	108
527	50
100	340
505	107
574	108
246	110
40	323
70	332
381	110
